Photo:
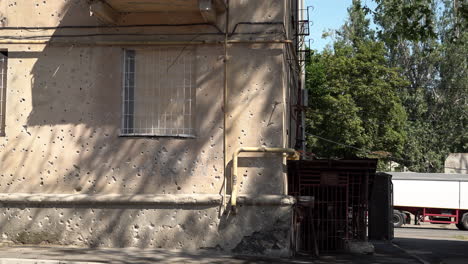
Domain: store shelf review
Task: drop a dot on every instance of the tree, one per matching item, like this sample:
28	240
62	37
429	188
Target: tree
452	93
412	20
353	95
431	50
356	29
408	80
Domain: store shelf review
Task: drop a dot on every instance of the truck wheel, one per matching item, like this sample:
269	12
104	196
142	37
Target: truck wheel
460	226
398	220
464	221
408	217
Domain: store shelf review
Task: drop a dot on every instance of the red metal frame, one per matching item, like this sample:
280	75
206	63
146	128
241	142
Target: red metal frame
440	215
427	212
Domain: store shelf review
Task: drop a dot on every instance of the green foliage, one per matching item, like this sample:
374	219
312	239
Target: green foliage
353	96
435	64
401	91
410	19
356	29
451	104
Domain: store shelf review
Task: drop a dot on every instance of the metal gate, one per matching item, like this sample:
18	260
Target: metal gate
339	211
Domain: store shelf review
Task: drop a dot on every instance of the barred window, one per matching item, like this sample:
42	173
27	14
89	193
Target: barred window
3	83
158	92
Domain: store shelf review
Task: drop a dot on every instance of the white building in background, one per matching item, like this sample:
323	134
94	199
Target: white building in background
456	163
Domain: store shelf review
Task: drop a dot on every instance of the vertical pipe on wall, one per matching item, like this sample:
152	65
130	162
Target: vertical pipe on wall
285	82
225	104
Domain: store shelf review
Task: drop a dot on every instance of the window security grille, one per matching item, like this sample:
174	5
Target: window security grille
159	94
3	82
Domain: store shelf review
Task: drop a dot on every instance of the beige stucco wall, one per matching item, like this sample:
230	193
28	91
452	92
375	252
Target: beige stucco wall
64	115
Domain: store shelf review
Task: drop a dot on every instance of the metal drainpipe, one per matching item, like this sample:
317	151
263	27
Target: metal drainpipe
292	154
225	104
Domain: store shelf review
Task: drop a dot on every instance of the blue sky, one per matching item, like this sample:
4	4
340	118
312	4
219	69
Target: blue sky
325	15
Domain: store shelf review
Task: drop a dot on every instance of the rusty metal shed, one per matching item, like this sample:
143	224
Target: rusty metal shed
339	213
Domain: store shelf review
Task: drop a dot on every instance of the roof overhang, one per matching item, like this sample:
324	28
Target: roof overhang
110	11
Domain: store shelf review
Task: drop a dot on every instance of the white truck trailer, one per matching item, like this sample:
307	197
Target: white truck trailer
430	197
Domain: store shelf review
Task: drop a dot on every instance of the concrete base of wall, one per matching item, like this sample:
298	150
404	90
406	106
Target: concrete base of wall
188	222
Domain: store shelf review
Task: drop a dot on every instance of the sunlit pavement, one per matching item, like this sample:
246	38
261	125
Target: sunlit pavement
385	253
426	244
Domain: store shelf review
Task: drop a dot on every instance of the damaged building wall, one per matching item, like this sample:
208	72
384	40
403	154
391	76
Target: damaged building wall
64	110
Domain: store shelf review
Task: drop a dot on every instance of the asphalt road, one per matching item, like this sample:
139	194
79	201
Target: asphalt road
434	244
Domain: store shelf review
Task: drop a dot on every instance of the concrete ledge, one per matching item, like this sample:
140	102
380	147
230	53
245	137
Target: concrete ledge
41	261
41	199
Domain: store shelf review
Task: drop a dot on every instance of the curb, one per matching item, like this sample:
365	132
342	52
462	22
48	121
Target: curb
42	261
410	254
